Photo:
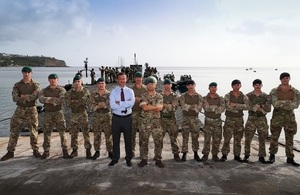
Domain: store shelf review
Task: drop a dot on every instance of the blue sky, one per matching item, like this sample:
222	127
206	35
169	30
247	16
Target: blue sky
246	33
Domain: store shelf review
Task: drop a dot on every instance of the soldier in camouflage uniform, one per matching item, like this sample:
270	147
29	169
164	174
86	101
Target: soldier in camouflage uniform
138	89
235	102
102	118
77	99
168	120
191	103
152	104
25	94
285	99
259	106
53	98
214	106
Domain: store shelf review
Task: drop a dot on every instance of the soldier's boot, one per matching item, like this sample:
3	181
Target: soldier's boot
177	158
223	158
196	156
262	160
143	163
45	155
96	155
37	154
7	156
271	159
66	155
110	155
88	153
238	158
246	158
74	153
215	158
204	157
159	164
292	162
183	158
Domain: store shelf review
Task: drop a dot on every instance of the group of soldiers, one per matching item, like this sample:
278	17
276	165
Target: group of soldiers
155	113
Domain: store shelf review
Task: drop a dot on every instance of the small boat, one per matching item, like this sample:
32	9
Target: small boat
181	84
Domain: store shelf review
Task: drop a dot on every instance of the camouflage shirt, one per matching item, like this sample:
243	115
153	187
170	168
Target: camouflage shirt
137	93
259	105
78	100
289	102
103	100
242	103
156	99
52	98
191	104
213	107
31	90
170	104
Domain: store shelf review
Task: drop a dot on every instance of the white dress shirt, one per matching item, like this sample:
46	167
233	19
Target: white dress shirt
117	106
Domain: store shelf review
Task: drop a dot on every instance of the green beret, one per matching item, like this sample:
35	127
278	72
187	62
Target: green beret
150	79
76	78
100	80
52	76
213	84
138	74
26	69
167	81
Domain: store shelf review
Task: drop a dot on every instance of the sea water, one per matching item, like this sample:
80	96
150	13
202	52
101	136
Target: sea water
201	75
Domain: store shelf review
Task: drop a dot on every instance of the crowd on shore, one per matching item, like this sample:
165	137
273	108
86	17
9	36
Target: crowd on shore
141	108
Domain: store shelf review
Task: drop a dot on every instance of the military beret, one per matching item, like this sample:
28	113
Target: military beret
150	79
190	82
138	74
167	81
26	69
100	80
236	81
76	78
257	81
284	74
213	84
52	76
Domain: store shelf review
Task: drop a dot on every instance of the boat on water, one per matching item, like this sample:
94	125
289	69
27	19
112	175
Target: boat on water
180	85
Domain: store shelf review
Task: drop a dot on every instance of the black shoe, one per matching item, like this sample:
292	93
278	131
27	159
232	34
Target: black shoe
271	159
183	158
88	154
143	163
45	155
159	164
223	158
262	160
129	163
238	158
7	156
196	156
113	162
177	158
96	155
292	162
246	159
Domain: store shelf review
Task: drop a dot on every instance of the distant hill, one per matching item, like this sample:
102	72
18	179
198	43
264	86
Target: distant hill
21	60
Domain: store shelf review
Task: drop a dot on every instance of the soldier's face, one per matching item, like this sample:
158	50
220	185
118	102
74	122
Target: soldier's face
213	89
285	80
190	87
236	87
101	85
151	86
167	87
257	87
138	80
77	83
27	75
53	82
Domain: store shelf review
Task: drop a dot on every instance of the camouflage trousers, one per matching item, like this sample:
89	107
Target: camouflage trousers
233	127
23	116
151	126
261	125
190	124
169	125
79	121
135	126
102	122
212	131
287	121
51	120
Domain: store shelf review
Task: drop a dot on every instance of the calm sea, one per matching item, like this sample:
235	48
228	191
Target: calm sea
202	76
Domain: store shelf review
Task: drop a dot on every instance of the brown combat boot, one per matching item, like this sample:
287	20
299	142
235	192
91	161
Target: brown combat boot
7	156
159	164
66	155
74	153
143	163
88	154
204	157
45	155
96	155
183	158
177	158
37	154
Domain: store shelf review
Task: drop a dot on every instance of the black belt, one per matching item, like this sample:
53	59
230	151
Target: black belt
121	116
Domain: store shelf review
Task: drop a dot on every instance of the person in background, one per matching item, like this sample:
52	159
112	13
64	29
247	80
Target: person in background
152	105
121	101
168	120
138	89
77	99
191	103
285	99
102	118
53	98
235	102
25	94
213	106
259	106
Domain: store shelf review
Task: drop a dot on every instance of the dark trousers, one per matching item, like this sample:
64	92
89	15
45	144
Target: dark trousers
120	124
